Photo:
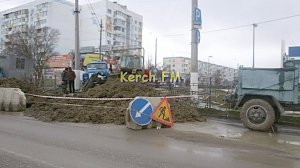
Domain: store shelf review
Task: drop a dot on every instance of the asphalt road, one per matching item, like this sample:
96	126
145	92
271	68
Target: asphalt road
26	143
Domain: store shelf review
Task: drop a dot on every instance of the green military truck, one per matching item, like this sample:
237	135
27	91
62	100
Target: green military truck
263	94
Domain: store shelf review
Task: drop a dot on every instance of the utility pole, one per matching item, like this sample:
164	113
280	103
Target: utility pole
209	81
77	53
196	24
156	53
254	26
100	43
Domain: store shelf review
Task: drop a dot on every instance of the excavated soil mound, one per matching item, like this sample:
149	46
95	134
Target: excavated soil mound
25	86
105	111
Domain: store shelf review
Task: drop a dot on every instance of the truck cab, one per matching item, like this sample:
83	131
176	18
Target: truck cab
98	68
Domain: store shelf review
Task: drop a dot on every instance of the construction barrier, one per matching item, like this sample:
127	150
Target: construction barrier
12	100
129	119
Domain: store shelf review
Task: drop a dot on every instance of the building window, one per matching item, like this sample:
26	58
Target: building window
108	34
173	65
109	11
20	63
108	42
44	5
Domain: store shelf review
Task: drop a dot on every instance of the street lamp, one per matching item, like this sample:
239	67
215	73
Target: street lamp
208	66
254	26
209	80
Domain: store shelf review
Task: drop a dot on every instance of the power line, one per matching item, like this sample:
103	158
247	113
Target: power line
237	27
91	8
278	19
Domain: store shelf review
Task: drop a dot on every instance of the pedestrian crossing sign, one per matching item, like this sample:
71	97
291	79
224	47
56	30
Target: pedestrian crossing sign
162	113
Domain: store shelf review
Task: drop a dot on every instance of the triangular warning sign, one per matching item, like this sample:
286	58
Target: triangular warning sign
162	113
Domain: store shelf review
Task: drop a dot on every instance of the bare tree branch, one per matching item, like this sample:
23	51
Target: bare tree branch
36	44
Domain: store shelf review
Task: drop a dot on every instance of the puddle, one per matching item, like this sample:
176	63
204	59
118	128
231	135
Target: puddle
284	142
213	128
289	142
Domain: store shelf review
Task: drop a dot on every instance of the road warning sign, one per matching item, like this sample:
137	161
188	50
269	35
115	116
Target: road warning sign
162	113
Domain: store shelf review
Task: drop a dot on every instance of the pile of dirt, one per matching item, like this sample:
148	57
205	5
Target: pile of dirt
114	88
24	85
183	111
105	111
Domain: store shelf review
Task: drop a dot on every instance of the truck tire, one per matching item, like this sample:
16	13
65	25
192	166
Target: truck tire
257	114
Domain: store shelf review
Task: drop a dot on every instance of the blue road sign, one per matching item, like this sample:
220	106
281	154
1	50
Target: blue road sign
197	17
294	51
197	36
140	111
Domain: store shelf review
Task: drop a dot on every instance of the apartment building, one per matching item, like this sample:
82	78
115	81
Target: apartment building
205	69
41	14
122	28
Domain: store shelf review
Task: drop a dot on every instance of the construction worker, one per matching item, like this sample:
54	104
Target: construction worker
72	76
65	79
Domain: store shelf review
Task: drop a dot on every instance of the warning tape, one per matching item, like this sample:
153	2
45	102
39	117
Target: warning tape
78	105
79	98
102	99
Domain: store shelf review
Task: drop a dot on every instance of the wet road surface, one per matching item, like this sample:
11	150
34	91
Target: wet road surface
25	142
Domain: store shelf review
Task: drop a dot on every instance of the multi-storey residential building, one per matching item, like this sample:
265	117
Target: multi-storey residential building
205	69
40	14
121	26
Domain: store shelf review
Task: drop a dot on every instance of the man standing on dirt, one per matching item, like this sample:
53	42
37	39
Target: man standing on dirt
72	76
64	78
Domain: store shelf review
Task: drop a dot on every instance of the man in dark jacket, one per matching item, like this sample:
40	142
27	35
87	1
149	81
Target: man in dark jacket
72	76
65	79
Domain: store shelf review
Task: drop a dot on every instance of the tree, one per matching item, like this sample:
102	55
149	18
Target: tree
37	44
217	76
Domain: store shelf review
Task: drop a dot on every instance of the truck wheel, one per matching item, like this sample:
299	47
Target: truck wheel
257	114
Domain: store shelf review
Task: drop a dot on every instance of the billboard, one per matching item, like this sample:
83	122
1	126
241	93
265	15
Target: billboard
294	51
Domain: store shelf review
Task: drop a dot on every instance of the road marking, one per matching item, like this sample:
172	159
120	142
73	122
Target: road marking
139	113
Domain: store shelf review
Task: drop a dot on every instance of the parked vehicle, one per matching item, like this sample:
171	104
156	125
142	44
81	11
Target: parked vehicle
263	94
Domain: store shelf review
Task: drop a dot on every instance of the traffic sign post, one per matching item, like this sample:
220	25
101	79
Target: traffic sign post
197	36
163	113
140	110
197	20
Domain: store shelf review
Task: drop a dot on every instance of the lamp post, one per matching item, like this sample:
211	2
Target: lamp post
209	80
254	26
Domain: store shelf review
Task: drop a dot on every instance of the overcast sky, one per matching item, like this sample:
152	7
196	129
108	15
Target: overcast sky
169	22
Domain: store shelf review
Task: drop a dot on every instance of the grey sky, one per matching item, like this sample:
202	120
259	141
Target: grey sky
169	21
